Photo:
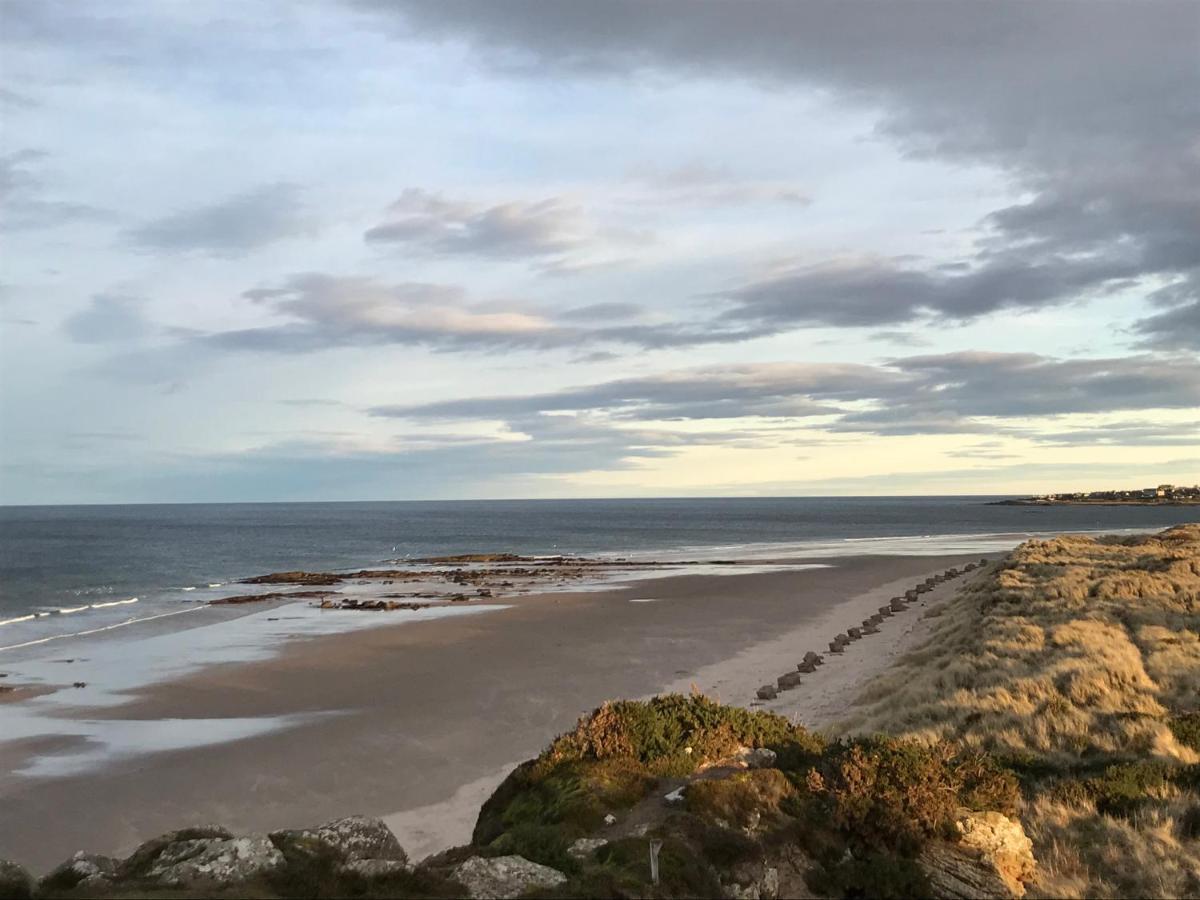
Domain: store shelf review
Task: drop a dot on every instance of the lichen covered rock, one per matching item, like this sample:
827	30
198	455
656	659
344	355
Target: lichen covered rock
504	876
348	839
223	861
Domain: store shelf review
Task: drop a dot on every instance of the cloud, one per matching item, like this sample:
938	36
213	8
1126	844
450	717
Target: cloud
869	293
235	226
699	184
719	392
24	204
108	318
1089	110
942	394
328	311
1178	327
1124	434
322	312
514	230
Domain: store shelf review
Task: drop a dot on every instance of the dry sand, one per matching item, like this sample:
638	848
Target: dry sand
426	718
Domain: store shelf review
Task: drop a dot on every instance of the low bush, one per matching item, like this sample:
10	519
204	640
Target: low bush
1186	729
890	794
573	795
743	800
671	735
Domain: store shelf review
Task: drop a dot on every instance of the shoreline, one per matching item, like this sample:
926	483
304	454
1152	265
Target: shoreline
411	721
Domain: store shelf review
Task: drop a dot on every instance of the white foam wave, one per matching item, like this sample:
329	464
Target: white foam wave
18	619
114	603
134	621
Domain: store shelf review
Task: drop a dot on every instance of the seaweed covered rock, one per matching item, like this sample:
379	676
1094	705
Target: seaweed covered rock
501	877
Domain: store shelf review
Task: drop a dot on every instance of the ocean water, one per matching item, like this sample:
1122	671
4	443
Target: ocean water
84	568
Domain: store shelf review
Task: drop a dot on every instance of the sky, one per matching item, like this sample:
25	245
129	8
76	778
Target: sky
421	249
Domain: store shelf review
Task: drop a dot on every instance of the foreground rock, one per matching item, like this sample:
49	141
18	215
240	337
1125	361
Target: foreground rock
993	858
208	859
83	870
360	844
505	876
206	862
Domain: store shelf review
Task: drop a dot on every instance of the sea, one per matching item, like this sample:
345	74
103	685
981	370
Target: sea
67	570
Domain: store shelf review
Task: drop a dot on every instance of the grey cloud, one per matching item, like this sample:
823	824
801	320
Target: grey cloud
508	230
26	202
602	311
1090	109
108	318
723	392
885	292
948	393
326	311
232	227
1174	329
1126	434
16	100
698	184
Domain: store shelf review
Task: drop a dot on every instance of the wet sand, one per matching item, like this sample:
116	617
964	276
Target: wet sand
417	721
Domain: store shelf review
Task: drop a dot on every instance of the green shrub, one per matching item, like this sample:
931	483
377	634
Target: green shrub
545	844
573	795
741	800
672	734
890	794
983	784
1189	823
1122	789
1186	729
682	872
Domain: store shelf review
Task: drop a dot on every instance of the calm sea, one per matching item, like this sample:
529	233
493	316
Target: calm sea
89	562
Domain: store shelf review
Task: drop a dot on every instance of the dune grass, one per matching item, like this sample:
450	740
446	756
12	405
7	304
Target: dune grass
1076	663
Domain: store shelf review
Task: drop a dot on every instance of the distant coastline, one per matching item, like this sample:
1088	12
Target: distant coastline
1162	495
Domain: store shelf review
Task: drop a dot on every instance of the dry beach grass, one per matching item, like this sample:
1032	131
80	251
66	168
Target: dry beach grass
1077	661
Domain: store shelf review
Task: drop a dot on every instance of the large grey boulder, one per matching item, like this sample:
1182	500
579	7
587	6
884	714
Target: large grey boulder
347	839
502	877
215	861
140	861
83	870
15	882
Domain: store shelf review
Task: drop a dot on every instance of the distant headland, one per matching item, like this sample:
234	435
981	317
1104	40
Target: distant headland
1163	495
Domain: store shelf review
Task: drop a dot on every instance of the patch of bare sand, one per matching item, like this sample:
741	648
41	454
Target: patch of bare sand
824	696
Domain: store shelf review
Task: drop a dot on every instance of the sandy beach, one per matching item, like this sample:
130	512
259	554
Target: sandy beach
417	722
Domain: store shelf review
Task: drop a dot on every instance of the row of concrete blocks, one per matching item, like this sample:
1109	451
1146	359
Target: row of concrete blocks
870	625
